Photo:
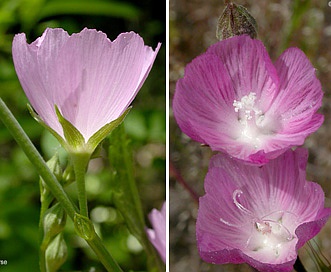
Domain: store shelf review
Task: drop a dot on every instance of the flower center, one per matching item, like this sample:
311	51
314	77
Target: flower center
268	234
252	120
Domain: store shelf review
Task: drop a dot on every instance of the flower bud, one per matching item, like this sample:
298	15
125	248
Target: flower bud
56	253
54	222
55	167
235	21
84	227
68	175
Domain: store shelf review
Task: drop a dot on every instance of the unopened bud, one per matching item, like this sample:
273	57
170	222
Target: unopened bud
55	167
54	222
56	253
84	227
235	21
68	175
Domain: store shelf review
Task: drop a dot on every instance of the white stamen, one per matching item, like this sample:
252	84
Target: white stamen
251	119
267	232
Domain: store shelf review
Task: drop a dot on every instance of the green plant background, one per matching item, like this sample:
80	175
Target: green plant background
145	126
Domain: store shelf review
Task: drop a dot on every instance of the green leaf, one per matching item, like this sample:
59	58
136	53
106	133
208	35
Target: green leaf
125	193
96	7
74	138
103	132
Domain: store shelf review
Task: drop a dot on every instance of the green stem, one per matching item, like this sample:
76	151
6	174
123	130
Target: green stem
103	255
52	183
80	162
32	153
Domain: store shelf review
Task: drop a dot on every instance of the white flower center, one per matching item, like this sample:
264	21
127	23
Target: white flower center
268	234
252	121
269	237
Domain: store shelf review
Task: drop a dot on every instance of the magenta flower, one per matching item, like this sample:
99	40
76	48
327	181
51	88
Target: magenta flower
235	100
157	235
90	79
259	215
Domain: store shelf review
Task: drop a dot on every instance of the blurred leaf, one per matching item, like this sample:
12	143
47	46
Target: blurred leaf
125	193
299	9
135	125
29	11
109	8
50	146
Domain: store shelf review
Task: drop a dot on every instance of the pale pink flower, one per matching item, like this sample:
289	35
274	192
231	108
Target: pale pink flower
91	79
259	215
234	99
157	235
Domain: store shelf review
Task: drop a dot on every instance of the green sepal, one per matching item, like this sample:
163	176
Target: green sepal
54	222
74	141
41	122
72	135
234	21
56	253
103	132
84	227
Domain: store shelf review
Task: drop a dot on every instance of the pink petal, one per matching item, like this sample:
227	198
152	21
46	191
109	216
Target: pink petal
203	100
157	235
249	67
300	94
91	79
232	99
276	190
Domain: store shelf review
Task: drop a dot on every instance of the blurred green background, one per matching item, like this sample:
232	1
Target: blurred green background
145	126
192	27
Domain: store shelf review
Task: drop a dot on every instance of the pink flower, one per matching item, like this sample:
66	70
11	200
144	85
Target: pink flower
157	235
259	215
91	79
235	100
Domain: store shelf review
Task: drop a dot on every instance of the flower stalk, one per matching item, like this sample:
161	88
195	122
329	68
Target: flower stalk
52	183
80	162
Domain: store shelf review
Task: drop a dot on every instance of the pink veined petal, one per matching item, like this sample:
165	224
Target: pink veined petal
300	96
106	73
157	235
300	91
32	71
283	139
90	78
250	68
269	114
308	230
275	191
203	102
